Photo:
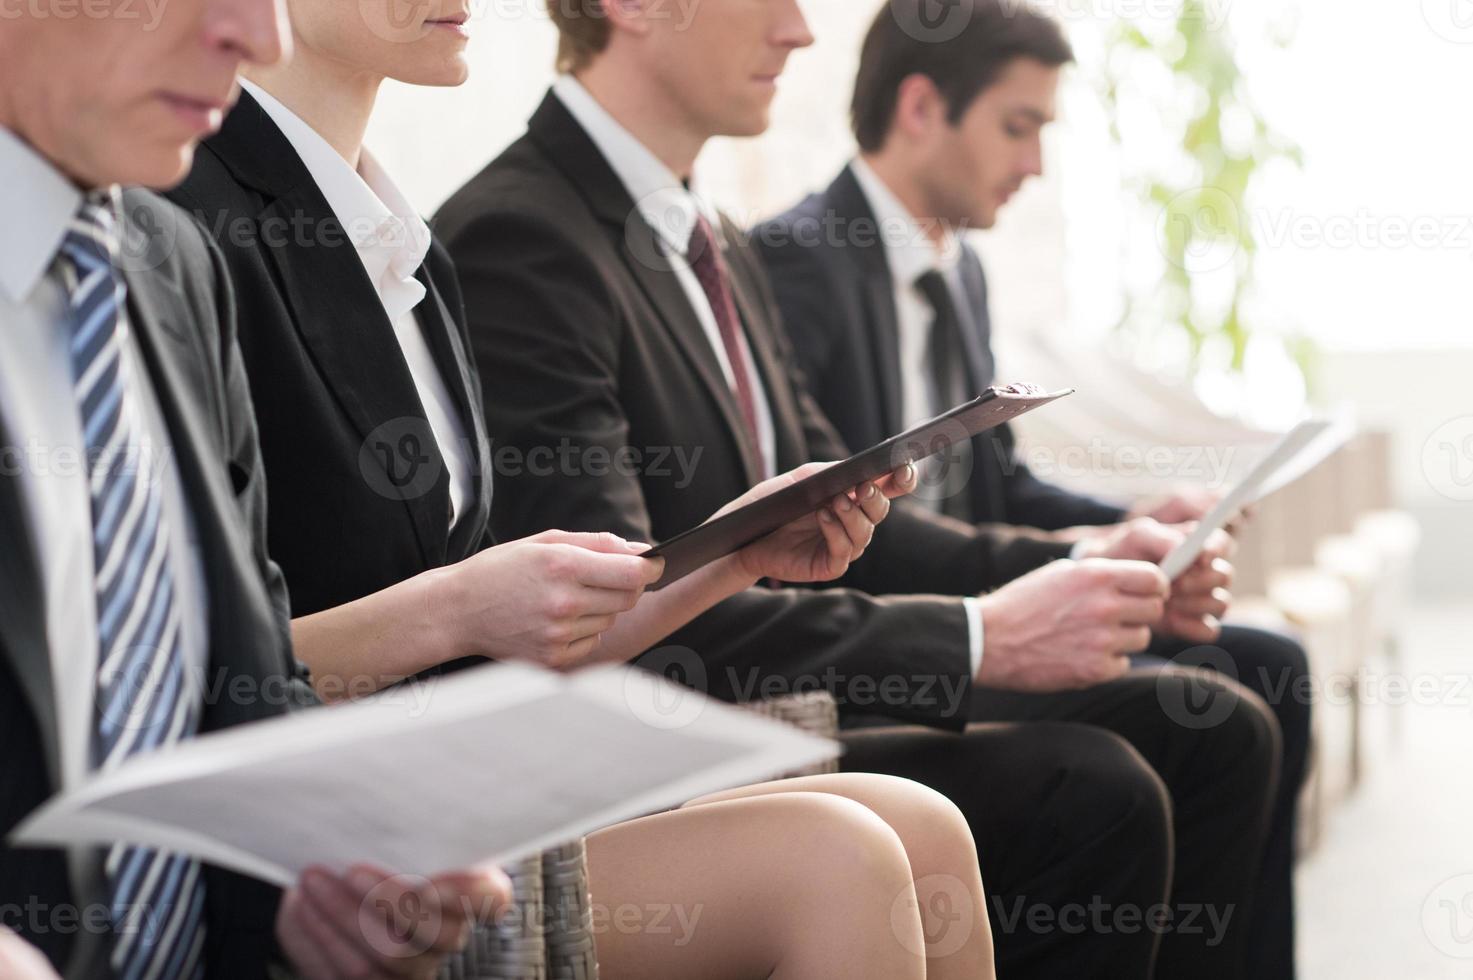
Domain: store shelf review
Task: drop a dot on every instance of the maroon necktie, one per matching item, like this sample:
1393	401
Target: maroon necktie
705	260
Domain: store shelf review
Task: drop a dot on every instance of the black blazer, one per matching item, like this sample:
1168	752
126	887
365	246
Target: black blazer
838	302
359	494
589	350
180	310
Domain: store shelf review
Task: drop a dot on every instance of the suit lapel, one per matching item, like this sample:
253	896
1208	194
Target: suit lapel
571	149
659	282
23	640
343	324
229	569
885	333
335	308
849	204
443	336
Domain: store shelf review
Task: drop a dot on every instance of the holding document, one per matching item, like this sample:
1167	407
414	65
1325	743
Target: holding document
379	494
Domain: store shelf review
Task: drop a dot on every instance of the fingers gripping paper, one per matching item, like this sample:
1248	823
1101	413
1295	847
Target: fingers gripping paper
1300	450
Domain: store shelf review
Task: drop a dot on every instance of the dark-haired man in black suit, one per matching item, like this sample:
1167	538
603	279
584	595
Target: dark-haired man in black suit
137	604
619	323
886	306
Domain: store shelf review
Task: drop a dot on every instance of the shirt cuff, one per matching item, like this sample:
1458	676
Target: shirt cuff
975	636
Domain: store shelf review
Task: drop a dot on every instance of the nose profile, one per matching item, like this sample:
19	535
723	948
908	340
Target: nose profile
255	31
792	29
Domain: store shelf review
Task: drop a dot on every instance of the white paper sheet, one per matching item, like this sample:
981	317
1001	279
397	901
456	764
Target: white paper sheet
486	765
1300	450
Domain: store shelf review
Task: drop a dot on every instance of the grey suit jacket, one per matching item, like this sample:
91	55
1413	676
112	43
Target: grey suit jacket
181	311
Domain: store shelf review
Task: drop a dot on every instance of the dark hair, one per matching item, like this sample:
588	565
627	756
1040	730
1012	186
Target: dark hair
582	32
962	51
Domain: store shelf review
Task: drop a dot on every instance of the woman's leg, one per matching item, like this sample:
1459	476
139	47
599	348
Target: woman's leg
942	855
797	886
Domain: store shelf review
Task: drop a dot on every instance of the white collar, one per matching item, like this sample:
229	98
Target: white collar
392	240
38	202
662	199
908	249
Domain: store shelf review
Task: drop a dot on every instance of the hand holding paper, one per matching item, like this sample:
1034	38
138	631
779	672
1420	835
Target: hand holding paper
1199	596
483	766
1302	449
367	922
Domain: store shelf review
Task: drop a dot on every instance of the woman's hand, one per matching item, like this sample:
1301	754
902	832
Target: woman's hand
546	598
821	546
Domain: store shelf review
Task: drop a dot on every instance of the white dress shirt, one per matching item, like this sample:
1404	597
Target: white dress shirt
910	254
392	241
44	425
671	209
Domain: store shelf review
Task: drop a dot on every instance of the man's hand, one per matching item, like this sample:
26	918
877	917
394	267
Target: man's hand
1200	597
1070	624
368	923
821	546
546	598
1141	539
1187	503
19	960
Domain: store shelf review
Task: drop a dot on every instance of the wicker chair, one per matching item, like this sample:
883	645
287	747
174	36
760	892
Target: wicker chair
547	934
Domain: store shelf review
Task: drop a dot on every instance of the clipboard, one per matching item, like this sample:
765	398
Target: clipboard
705	543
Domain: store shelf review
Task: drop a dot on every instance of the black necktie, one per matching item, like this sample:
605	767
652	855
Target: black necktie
946	352
947	358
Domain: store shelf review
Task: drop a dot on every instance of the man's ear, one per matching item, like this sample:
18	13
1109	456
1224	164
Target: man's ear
920	108
631	15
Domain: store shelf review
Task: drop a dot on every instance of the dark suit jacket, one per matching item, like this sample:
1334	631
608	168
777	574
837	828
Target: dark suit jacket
591	355
833	283
180	310
359	493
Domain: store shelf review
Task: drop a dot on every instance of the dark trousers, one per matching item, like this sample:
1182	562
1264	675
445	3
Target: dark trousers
1072	827
1218	749
1276	668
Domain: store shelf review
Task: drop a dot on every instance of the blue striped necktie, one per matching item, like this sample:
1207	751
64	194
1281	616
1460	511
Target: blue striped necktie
144	698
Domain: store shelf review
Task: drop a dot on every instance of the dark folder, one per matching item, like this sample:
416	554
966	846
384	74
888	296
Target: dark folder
731	532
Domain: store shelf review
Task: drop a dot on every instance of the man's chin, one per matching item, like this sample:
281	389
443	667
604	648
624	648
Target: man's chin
748	124
158	168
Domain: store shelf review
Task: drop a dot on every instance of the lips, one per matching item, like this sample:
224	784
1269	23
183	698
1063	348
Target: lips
453	22
201	113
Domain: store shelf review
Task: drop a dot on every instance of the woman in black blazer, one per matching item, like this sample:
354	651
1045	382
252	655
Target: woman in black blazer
379	493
